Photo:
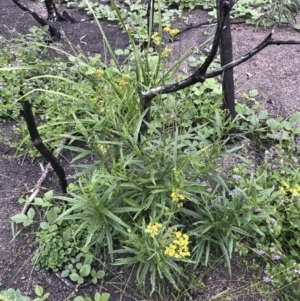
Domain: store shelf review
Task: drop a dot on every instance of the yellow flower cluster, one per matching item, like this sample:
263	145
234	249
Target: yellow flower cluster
176	196
171	32
156	39
126	76
179	246
123	81
167	52
103	148
172	242
153	229
98	73
286	188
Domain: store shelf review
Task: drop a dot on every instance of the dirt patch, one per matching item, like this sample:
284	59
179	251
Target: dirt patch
274	72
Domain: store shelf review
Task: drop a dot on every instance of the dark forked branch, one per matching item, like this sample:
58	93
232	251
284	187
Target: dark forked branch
54	33
198	76
149	95
53	15
266	42
40	146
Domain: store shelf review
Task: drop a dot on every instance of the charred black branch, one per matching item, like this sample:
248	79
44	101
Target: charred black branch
198	76
40	146
227	78
53	14
266	42
224	11
54	33
189	81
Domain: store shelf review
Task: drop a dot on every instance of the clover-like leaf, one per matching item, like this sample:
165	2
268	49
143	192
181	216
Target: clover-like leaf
85	270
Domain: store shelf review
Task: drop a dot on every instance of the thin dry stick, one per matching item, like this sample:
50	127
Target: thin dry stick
43	178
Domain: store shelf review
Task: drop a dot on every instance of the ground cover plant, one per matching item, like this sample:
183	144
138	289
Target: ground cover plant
162	194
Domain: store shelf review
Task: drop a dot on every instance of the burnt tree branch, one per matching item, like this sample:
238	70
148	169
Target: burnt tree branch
53	14
227	77
197	76
54	33
40	146
150	94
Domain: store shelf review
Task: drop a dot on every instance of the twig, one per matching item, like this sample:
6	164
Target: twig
43	178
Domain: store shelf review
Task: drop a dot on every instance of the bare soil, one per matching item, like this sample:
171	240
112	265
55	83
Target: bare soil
275	72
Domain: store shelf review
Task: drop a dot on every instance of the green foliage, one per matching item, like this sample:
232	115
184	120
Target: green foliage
19	53
267	12
62	246
12	295
15	295
39	291
25	219
270	194
97	297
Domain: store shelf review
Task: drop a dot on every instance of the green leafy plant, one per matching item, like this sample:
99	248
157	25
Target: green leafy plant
39	291
12	295
270	192
97	297
138	177
155	249
61	246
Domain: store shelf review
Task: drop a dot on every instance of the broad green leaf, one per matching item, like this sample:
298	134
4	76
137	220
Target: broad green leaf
48	195
74	277
19	218
100	274
105	296
119	52
39	290
51	215
65	273
85	270
44	225
88	259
